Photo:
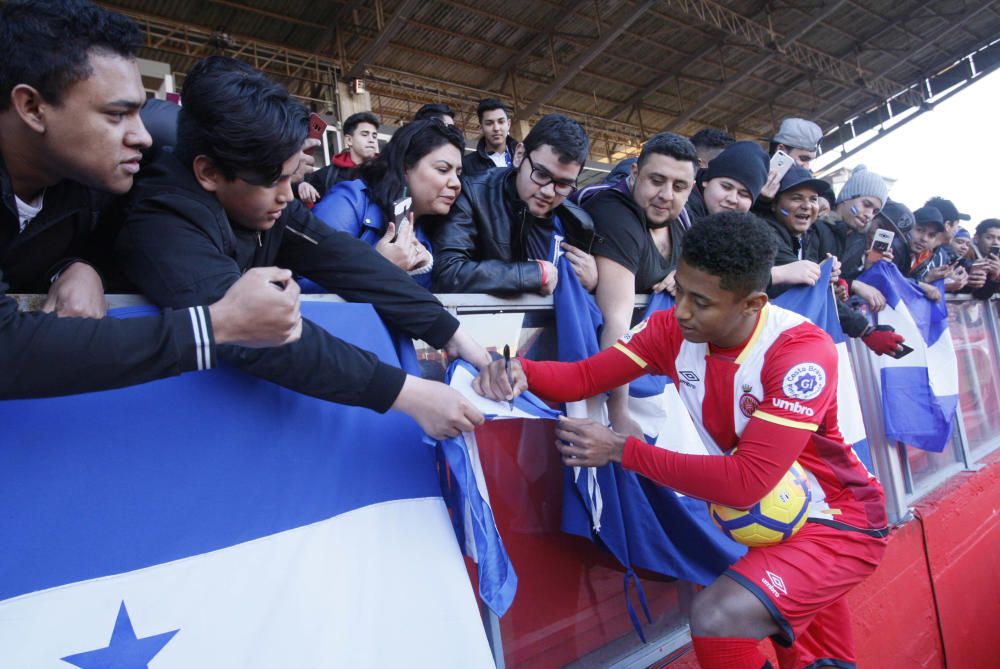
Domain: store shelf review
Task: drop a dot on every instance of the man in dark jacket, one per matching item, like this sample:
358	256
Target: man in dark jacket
222	203
506	228
361	137
70	134
496	147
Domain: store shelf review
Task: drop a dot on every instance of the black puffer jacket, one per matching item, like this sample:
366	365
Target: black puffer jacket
481	246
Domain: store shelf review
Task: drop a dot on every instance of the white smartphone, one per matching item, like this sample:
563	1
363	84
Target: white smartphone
781	162
883	240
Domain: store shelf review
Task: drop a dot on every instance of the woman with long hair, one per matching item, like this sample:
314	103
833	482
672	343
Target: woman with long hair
422	161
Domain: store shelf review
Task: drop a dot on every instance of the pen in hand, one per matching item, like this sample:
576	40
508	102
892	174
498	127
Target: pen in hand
510	376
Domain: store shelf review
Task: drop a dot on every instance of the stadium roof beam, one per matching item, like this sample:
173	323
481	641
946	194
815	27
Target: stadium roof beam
389	31
751	67
585	57
851	75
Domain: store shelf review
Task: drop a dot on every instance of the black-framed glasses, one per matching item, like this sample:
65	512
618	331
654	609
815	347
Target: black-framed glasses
541	177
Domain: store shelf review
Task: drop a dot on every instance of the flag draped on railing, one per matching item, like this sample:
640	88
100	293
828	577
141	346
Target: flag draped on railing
215	519
920	390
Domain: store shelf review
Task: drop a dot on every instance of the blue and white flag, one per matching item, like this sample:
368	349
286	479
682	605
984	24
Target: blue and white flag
641	523
920	390
472	515
818	304
217	520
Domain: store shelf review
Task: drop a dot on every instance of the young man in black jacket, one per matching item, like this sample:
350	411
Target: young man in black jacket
496	147
70	134
498	236
222	203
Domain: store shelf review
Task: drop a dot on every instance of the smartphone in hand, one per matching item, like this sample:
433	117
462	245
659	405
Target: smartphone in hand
317	126
781	162
883	240
400	210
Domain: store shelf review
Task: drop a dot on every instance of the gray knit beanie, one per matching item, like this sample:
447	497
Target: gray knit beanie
862	183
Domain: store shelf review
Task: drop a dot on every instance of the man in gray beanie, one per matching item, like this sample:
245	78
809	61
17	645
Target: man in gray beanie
861	198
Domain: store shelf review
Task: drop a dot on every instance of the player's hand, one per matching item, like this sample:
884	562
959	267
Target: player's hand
78	292
584	266
307	193
585	443
260	310
551	278
440	411
492	381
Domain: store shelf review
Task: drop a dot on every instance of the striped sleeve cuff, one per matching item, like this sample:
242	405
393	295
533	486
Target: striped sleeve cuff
201	330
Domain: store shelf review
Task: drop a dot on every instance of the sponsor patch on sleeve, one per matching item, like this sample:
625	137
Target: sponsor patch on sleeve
805	381
639	327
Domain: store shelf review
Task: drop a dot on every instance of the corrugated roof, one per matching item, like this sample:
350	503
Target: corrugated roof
740	65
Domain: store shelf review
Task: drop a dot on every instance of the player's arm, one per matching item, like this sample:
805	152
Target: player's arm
800	384
572	381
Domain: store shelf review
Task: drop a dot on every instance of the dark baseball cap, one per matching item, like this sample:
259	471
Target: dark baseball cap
948	209
929	216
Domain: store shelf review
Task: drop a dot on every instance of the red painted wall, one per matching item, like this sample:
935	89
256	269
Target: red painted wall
934	602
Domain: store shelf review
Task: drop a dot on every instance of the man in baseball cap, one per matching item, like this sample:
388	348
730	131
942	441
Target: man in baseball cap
798	138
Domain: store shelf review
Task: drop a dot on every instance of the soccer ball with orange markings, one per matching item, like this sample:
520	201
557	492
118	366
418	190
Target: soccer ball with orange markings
779	515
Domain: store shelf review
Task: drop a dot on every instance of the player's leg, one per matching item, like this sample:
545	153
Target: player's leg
727	624
827	642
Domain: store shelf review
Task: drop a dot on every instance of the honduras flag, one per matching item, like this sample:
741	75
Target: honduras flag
818	304
919	391
217	520
641	523
469	498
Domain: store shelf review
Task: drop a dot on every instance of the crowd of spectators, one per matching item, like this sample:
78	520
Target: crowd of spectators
227	192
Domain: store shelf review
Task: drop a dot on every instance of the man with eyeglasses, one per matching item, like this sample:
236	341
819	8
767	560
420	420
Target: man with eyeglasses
508	227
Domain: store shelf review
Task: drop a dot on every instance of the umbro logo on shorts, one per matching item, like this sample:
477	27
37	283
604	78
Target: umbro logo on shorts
774	583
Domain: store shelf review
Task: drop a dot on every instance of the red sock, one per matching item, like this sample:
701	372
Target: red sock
723	653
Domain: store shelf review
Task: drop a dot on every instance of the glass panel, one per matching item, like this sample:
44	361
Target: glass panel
978	373
570	606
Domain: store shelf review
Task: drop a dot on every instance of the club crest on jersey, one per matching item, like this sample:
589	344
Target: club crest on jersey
639	327
748	403
804	381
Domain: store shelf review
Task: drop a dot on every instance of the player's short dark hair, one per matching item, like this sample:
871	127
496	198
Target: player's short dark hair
735	246
46	44
563	134
489	104
712	138
987	224
246	124
669	144
354	120
434	110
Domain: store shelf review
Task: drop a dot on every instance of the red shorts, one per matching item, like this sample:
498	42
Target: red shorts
802	582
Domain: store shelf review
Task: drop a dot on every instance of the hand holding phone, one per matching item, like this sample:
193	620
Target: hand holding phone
317	126
883	240
400	211
781	162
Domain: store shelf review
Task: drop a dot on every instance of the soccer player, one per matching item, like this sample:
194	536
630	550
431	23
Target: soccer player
760	383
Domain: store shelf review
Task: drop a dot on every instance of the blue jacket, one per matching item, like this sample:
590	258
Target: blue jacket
347	207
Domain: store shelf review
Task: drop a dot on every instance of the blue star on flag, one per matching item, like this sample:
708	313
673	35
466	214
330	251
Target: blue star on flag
125	650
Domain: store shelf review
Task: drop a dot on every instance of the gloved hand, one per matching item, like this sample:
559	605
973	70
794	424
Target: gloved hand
883	340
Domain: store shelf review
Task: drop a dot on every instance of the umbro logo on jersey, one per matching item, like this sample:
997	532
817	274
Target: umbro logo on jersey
794	407
688	378
774	583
